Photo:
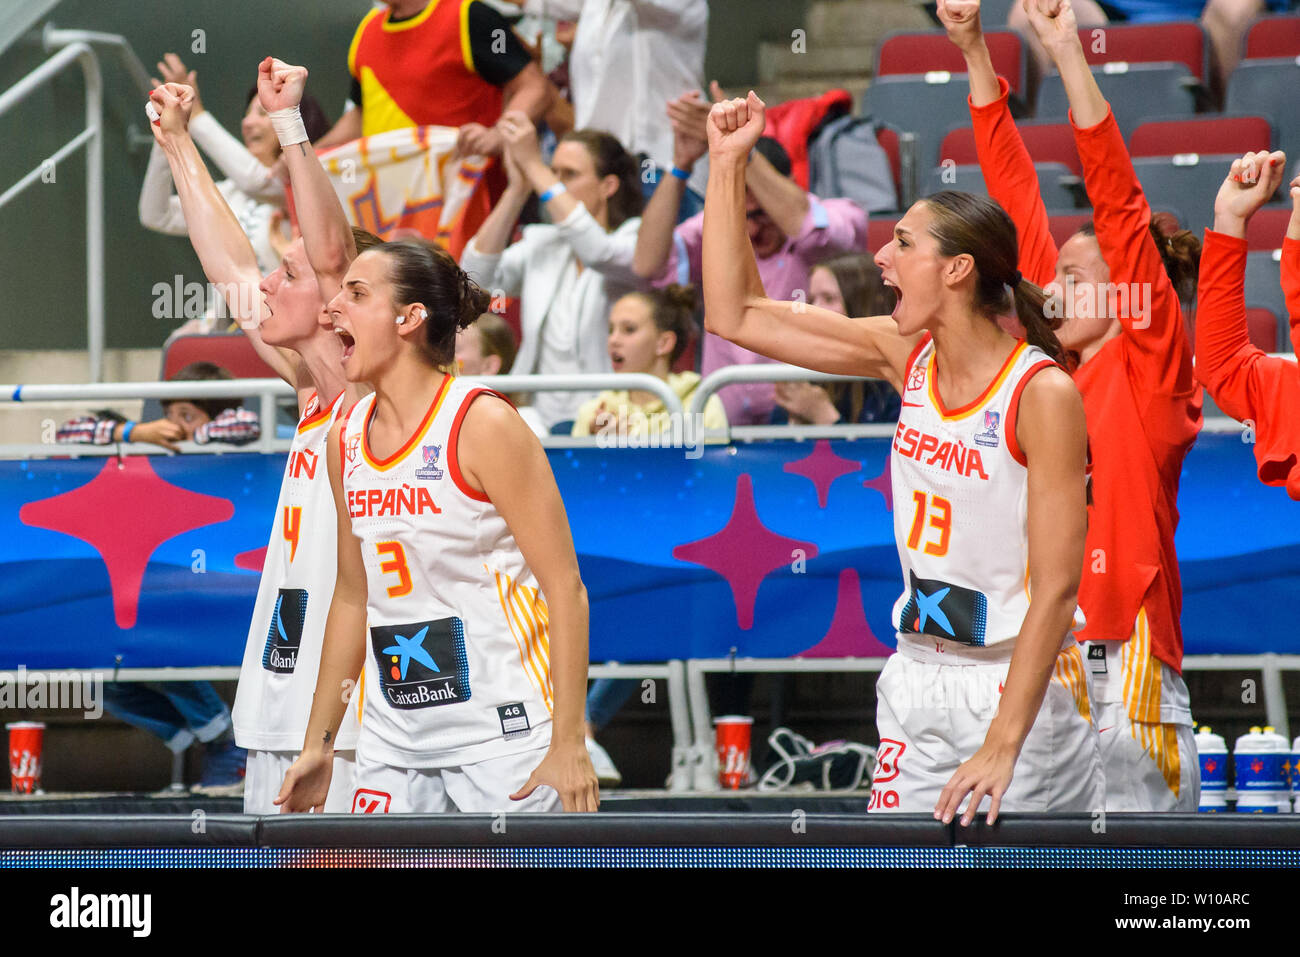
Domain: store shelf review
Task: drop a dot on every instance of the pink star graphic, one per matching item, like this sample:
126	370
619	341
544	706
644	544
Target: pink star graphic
253	561
124	513
849	635
822	467
743	552
883	484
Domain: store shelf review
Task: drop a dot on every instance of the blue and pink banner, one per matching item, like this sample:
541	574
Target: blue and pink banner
773	549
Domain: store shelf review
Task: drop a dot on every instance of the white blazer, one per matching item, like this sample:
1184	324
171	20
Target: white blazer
531	269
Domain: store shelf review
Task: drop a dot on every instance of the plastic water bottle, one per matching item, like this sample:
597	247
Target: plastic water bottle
1259	757
1213	752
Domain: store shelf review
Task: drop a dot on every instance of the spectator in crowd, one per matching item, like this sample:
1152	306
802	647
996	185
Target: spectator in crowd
250	188
850	285
648	332
487	347
790	230
1225	23
180	713
568	273
195	420
423	63
630	57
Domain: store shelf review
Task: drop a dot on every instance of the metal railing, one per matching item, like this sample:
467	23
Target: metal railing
92	138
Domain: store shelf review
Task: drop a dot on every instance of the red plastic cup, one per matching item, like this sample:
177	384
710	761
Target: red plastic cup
25	741
732	736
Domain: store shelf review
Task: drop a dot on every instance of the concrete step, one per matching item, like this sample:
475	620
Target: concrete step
779	61
862	21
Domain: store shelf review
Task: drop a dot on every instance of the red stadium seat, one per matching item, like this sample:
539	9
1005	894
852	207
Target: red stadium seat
233	352
887	137
879	233
1046	143
1066	225
1274	37
1208	134
1180	42
904	53
1262	325
1267	227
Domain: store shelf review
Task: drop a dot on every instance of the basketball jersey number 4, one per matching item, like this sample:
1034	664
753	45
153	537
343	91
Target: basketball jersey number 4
939	510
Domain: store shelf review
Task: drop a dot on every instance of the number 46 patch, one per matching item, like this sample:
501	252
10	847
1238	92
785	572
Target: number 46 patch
514	720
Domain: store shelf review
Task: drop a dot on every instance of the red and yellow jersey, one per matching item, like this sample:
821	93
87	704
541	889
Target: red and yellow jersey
961	495
457	646
282	654
421	71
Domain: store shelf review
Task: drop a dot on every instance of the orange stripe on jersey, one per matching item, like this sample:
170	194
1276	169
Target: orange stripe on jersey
983	397
319	416
524	628
466	51
1013	409
386	464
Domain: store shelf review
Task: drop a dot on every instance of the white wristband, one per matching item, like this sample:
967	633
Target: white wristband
288	125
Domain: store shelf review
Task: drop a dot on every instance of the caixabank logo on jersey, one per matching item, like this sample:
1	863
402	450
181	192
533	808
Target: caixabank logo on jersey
422	665
284	636
944	610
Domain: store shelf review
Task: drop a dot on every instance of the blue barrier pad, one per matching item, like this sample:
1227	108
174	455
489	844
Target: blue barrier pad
774	549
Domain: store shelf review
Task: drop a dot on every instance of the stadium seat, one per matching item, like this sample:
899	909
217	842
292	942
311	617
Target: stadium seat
879	233
1189	182
1264	286
910	53
928	106
887	137
1273	37
1204	134
1046	143
1136	91
1178	42
233	352
1057	184
1268	226
1262	326
1268	88
1064	225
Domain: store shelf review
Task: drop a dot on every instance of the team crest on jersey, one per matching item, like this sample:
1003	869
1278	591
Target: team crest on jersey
916	378
430	469
421	665
989	435
284	637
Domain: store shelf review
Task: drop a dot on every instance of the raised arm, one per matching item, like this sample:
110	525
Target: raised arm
1244	382
1291	266
1007	166
223	249
500	456
326	232
735	304
342	657
1053	435
654	240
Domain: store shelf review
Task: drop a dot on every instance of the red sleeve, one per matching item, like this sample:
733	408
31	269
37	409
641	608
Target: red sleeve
1291	287
1012	180
1153	319
1246	383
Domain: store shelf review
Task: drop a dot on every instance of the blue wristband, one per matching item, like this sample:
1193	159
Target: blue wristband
126	432
556	190
682	174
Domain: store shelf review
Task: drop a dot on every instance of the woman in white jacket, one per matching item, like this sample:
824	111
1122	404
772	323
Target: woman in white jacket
567	274
250	187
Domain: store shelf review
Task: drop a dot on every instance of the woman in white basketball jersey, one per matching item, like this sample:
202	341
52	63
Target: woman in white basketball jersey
281	317
458	584
986	695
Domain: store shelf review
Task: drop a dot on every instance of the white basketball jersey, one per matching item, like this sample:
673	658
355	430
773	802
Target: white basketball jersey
282	655
457	648
961	505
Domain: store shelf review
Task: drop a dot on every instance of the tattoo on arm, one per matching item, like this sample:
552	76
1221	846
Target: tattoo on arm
327	737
